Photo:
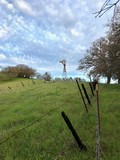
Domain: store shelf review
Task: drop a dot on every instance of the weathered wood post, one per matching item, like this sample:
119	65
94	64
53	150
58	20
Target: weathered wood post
91	88
82	96
86	94
74	133
33	82
22	84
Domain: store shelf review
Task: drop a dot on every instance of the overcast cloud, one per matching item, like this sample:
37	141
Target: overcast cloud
39	33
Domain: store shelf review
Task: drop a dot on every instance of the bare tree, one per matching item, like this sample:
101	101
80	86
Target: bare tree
105	7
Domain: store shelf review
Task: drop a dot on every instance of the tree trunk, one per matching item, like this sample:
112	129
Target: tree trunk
108	80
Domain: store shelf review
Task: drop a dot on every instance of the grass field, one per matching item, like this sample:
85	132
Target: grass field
32	128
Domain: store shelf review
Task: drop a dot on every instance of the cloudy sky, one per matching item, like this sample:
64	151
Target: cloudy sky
40	33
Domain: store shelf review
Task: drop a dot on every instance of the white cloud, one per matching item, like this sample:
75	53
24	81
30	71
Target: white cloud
51	36
3	32
24	7
40	33
7	5
2	56
50	10
75	33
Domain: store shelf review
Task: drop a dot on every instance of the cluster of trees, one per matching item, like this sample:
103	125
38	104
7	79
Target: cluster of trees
103	57
23	71
20	70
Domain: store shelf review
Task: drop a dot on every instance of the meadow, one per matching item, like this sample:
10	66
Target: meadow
32	128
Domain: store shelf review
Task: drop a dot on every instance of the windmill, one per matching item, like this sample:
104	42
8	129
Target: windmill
64	74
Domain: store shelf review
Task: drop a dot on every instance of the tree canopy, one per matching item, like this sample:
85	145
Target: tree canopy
103	57
20	70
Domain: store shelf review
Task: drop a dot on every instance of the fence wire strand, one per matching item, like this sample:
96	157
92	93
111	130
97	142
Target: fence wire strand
83	118
36	121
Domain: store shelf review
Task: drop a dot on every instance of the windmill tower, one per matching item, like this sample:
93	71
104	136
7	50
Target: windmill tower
64	74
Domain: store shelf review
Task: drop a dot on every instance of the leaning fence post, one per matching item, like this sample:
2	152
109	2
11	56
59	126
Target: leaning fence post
84	89
82	95
22	84
91	88
9	87
74	133
33	82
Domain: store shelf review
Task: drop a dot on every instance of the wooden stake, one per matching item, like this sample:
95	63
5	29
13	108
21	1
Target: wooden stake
84	89
91	88
82	95
74	133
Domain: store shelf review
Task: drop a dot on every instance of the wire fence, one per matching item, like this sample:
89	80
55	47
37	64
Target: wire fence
36	121
52	111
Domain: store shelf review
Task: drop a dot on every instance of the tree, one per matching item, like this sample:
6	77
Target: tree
47	76
96	62
107	5
10	71
103	57
4	77
114	44
25	71
20	70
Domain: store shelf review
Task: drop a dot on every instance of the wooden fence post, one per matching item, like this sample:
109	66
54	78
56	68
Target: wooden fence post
74	133
82	96
91	88
84	89
33	82
22	84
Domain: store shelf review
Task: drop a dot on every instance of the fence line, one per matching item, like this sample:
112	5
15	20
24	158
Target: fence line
22	129
45	114
38	120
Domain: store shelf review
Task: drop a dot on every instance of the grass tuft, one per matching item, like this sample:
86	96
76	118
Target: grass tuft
49	138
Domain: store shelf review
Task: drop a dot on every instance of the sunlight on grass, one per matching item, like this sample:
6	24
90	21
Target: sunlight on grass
50	138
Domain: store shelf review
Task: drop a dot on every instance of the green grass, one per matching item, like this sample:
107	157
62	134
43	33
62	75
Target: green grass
49	138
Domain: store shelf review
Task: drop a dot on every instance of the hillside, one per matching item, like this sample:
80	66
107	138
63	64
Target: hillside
32	128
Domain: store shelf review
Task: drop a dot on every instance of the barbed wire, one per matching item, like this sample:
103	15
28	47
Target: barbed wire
38	120
82	120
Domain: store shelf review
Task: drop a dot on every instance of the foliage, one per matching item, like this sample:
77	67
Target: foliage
20	70
4	77
103	57
97	60
114	44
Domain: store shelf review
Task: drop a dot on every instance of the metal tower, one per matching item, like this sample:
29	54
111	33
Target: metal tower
64	73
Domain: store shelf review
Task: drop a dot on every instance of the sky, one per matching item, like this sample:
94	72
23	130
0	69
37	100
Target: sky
40	33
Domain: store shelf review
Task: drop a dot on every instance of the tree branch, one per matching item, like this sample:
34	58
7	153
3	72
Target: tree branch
105	7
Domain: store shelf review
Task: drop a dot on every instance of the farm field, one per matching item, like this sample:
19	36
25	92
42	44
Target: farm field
32	128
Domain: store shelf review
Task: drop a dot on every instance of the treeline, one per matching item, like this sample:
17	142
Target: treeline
103	57
22	71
